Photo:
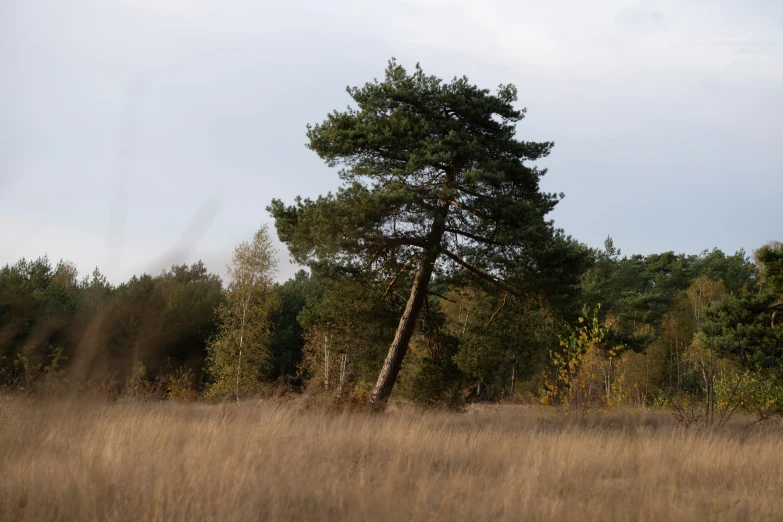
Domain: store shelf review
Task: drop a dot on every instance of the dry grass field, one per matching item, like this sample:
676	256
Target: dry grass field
88	461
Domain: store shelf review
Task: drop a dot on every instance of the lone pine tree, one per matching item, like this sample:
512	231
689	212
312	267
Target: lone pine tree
433	179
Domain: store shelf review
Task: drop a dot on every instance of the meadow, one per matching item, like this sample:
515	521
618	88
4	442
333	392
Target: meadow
82	459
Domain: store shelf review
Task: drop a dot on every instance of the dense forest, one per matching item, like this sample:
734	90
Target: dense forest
432	272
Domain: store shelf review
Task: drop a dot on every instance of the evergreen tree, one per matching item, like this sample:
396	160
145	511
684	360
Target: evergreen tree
770	257
433	179
288	335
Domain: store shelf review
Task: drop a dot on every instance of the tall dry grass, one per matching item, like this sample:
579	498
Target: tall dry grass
96	461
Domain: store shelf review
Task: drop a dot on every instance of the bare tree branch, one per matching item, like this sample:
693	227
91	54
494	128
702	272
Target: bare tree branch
505	296
407	265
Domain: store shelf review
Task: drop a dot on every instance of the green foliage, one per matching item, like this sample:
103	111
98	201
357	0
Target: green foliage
756	392
438	382
641	290
770	257
350	316
585	368
288	335
98	330
137	386
180	385
500	339
416	147
472	341
171	383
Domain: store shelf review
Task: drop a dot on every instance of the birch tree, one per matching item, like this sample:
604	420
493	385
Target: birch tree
240	356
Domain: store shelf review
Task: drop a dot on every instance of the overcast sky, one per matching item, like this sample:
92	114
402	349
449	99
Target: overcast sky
135	134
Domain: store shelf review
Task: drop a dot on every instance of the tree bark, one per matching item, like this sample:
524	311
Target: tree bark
399	346
326	362
343	368
241	342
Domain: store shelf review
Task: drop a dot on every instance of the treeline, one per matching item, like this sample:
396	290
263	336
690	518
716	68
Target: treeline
664	316
51	319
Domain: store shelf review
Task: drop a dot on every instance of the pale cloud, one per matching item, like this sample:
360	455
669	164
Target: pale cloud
581	36
638	19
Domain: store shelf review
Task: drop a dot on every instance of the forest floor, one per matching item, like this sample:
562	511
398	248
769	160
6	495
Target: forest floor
84	460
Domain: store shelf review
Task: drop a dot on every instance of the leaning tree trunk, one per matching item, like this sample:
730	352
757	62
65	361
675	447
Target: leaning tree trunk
399	346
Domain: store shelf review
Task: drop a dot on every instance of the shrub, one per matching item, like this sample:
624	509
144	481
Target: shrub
180	386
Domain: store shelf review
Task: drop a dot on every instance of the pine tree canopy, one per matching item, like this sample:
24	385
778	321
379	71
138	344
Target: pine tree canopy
426	166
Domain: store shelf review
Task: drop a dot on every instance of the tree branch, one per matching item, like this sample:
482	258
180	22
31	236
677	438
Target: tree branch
774	309
441	296
388	242
482	274
473	236
462	206
486	277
